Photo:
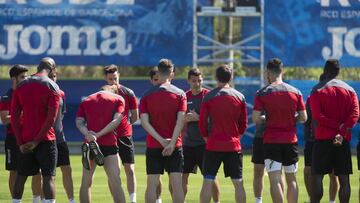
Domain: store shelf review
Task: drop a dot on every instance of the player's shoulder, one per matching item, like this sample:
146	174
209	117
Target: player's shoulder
223	92
39	79
126	91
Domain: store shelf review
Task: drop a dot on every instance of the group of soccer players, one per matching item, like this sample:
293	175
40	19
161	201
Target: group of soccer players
199	128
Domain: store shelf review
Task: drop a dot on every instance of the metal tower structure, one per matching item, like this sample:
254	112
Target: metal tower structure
218	49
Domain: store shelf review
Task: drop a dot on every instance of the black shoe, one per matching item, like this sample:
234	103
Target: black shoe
96	153
85	156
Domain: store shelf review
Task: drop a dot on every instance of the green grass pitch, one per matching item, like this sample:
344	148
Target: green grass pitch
101	194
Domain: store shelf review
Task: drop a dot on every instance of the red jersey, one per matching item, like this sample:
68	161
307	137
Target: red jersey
37	98
98	110
280	102
335	109
5	103
162	103
223	119
125	128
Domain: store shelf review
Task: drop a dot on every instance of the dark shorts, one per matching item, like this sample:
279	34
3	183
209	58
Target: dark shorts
308	149
126	150
156	163
43	157
106	151
258	151
232	164
11	151
63	154
358	155
327	157
287	154
193	158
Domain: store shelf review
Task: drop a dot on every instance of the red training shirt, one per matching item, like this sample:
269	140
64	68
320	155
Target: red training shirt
162	103
223	119
280	102
125	128
98	110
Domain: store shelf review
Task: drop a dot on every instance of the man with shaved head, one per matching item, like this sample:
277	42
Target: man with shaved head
36	100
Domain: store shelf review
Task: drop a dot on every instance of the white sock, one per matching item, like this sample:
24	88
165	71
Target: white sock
43	201
216	202
16	200
36	199
72	201
133	197
331	201
258	199
158	200
49	200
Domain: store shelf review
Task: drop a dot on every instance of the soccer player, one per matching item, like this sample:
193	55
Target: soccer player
124	130
193	142
162	110
63	159
283	106
97	117
335	109
17	73
226	109
309	143
36	101
154	80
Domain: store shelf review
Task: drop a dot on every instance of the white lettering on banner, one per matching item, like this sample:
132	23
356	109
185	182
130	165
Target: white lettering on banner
74	40
343	3
342	38
11	50
120	47
25	40
51	41
77	2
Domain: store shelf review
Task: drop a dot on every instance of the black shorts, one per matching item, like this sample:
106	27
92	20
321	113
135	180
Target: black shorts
193	158
327	157
287	154
156	163
12	152
126	150
258	151
358	155
232	164
43	157
106	151
63	154
308	149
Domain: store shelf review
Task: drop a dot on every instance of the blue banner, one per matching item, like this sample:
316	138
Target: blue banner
97	32
307	32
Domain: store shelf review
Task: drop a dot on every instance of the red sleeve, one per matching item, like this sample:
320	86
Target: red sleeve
352	118
317	115
53	107
81	111
4	106
243	121
132	102
182	104
120	107
16	110
300	105
143	105
203	119
258	104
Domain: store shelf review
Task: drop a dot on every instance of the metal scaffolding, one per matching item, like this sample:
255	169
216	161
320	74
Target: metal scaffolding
218	49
